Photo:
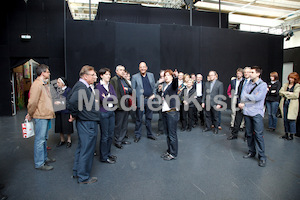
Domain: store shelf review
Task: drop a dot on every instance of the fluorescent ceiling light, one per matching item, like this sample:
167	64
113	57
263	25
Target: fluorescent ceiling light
253	10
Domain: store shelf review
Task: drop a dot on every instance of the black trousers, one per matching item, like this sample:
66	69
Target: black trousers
160	122
188	118
170	120
121	125
211	117
237	122
199	114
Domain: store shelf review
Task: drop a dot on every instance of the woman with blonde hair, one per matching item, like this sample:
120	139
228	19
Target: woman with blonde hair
289	104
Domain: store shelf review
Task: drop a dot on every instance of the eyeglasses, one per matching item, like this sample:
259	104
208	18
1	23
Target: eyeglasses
92	74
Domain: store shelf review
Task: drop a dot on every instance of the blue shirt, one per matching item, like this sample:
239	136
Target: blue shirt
147	87
254	102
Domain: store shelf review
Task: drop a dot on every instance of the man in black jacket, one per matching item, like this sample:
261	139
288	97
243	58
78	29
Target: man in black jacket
82	105
189	107
122	87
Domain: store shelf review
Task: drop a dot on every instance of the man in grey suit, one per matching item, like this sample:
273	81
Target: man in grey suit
212	89
144	85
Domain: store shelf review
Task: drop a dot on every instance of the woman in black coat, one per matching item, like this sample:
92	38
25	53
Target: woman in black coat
170	114
62	124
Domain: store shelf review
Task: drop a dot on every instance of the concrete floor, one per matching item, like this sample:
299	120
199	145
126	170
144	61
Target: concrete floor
208	167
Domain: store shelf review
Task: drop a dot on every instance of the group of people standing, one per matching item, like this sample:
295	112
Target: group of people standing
109	103
249	101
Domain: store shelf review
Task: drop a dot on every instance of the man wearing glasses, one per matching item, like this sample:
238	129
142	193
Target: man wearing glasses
86	116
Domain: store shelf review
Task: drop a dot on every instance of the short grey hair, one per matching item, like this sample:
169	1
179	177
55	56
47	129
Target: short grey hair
119	66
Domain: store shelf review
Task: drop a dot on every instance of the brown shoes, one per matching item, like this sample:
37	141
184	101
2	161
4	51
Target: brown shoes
90	181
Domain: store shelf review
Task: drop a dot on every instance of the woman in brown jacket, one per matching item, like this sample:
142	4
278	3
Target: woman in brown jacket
289	104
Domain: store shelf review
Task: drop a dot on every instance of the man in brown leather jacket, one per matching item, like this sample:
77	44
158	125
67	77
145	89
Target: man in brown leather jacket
40	108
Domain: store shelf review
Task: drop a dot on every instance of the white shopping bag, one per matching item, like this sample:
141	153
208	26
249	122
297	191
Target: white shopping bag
27	129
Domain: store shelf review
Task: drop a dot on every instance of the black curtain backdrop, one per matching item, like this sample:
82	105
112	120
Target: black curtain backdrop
136	43
136	13
89	43
188	49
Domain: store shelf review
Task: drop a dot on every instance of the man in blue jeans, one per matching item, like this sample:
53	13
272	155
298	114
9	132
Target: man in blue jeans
252	103
40	108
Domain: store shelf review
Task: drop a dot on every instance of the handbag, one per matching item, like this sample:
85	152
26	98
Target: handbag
278	114
27	129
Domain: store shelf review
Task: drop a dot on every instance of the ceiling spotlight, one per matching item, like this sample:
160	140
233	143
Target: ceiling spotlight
289	35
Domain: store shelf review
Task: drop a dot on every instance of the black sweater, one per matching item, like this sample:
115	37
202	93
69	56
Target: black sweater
273	93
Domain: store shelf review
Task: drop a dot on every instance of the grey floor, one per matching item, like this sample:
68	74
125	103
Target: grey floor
208	167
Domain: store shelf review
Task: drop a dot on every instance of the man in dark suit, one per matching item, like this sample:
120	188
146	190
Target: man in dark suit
144	85
211	90
199	87
87	115
239	114
188	106
122	87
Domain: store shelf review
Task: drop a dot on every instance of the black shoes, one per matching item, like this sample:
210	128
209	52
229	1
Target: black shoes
183	129
61	143
286	136
262	163
119	146
249	155
136	139
69	144
90	181
232	137
126	142
112	157
151	137
189	130
109	161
